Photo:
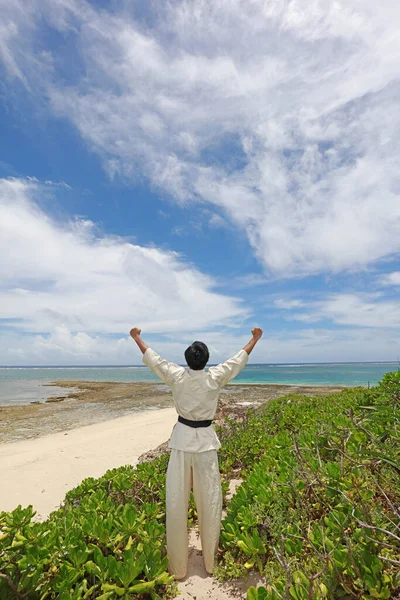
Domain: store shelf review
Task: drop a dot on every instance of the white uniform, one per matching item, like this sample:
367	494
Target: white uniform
194	460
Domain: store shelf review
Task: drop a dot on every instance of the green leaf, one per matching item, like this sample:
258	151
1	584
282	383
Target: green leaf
142	587
78	554
299	577
385	593
323	589
297	592
243	546
129	544
130	568
115	589
100	559
252	593
92	568
164	579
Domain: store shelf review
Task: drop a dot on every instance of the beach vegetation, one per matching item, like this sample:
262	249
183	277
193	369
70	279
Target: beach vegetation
317	514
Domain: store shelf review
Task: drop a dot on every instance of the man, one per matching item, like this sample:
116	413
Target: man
194	462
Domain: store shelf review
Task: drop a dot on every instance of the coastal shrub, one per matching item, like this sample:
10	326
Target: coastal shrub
107	541
390	386
318	515
97	550
128	484
115	523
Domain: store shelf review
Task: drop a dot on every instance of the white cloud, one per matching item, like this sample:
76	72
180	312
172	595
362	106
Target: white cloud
244	281
62	343
287	346
297	102
288	304
216	221
365	310
283	116
325	345
391	279
360	310
64	279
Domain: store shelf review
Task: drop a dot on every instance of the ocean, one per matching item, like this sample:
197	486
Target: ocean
21	385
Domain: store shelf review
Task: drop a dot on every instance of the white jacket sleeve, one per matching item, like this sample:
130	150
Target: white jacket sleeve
166	371
225	372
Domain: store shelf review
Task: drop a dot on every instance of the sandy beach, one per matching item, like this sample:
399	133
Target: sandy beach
41	471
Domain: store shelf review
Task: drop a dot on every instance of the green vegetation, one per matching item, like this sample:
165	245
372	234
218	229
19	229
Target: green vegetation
106	542
317	514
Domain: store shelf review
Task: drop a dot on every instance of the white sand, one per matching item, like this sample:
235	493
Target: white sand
41	471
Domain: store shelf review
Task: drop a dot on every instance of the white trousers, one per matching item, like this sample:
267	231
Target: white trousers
200	470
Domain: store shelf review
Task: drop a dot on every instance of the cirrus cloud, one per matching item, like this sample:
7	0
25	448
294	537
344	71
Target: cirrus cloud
282	114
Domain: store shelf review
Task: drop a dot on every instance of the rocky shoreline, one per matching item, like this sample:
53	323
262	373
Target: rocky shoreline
93	402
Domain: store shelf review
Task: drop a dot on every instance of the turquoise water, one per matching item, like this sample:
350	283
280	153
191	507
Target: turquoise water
25	384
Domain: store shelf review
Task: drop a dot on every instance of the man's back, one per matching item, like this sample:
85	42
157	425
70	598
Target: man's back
195	396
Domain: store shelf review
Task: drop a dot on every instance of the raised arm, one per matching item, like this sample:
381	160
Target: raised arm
257	333
168	372
225	372
135	335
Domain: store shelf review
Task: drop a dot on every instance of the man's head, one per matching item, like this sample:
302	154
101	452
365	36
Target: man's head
197	356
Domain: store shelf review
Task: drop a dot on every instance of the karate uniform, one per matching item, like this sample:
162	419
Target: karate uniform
193	461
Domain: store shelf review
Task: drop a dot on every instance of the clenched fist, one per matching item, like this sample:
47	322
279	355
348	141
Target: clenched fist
257	333
135	332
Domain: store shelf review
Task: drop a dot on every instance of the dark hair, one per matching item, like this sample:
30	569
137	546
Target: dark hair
197	356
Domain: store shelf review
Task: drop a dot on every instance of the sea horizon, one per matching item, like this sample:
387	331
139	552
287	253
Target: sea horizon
35	383
109	366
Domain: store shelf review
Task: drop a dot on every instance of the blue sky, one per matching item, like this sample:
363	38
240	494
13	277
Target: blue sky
198	168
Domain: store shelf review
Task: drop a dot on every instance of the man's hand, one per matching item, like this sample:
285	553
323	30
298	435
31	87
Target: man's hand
257	333
135	335
135	332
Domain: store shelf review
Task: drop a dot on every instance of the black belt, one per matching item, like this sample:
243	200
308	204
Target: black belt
194	423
